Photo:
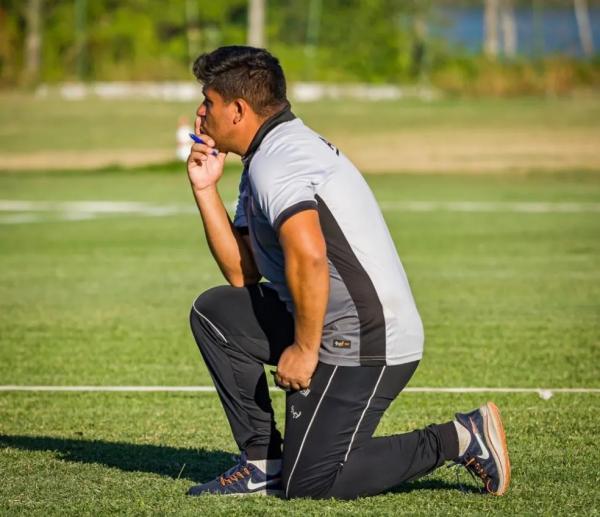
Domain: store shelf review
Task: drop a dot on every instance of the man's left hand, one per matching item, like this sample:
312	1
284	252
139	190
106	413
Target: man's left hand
296	367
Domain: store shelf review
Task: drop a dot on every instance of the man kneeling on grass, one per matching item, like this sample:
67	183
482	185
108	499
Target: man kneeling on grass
336	315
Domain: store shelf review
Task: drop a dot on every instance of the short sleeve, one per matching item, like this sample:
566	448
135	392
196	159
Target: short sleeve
283	189
240	221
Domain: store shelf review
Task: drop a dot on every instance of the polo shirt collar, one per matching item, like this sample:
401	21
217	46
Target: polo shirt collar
285	115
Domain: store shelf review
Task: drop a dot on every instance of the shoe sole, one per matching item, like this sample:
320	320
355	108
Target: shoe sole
496	438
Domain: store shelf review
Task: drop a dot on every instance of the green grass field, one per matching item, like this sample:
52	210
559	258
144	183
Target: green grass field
456	135
508	299
31	124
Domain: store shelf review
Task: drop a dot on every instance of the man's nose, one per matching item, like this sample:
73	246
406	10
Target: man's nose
201	110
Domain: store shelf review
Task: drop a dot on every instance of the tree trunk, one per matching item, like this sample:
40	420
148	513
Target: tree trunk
490	46
313	25
81	9
256	23
509	28
193	29
33	41
419	48
538	28
585	28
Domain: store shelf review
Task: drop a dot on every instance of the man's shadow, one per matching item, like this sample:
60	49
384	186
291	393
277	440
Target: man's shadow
197	465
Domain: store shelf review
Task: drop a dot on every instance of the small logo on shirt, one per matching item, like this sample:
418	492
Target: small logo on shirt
341	343
305	392
295	414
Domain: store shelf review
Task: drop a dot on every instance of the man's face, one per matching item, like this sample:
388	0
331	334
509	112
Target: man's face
215	119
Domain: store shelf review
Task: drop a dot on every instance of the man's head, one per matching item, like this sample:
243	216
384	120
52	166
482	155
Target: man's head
243	86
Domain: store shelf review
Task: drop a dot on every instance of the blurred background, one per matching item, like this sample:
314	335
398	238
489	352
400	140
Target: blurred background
529	46
114	78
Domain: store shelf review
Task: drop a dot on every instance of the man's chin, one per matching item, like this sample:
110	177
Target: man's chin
205	132
221	146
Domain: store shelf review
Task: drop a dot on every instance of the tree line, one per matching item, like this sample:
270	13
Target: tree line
326	40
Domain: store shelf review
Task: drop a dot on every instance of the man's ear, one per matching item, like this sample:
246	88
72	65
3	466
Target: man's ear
240	107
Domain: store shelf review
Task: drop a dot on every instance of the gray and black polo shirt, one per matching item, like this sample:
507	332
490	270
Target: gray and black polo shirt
371	314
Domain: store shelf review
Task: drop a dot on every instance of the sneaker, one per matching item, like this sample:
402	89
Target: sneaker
241	479
487	455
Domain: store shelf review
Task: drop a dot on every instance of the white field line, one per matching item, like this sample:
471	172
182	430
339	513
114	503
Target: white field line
525	207
42	211
210	389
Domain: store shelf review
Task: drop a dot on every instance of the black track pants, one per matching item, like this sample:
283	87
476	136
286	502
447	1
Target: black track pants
328	449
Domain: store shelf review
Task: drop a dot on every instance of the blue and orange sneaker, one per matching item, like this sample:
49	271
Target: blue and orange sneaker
241	479
487	455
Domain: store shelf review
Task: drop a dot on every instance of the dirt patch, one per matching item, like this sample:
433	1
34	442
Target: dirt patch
474	151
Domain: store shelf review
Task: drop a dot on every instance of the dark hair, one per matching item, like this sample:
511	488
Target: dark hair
242	72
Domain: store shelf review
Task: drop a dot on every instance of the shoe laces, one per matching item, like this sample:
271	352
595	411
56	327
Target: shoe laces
238	474
475	469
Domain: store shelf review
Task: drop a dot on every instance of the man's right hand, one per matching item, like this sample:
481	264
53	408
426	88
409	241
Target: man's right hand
204	168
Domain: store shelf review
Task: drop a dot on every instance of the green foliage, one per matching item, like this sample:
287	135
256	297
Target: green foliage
375	41
480	76
137	39
361	40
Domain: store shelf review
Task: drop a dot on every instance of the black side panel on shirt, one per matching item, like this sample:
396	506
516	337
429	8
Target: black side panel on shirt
359	285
